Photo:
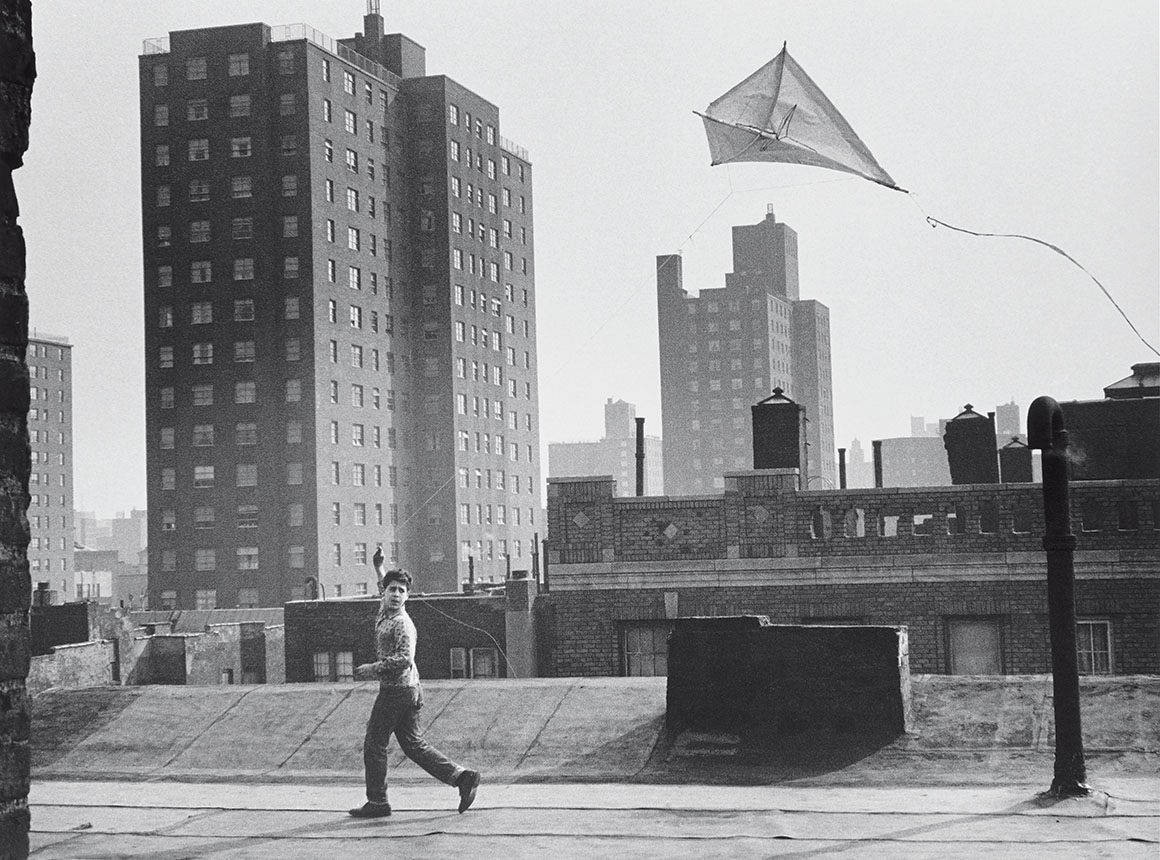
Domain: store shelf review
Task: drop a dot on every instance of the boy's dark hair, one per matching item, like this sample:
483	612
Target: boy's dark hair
397	575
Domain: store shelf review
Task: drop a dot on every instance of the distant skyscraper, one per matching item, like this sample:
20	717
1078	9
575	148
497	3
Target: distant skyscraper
50	484
613	455
1008	422
725	349
339	318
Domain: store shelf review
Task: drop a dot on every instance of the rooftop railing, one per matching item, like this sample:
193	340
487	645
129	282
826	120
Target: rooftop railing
292	33
513	147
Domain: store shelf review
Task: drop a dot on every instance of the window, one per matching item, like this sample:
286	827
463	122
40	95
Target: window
290	186
239	65
165	441
347	82
168	479
245	392
286	62
290	309
240	105
205	598
242	228
203	517
293	432
1094	647
198	232
203	395
244	308
352	199
352	161
203	353
164	196
240	147
161	75
247	475
289	268
288	144
287	104
195	69
293	390
247	557
203	477
293	349
165	276
196	110
198	150
198	190
247	598
296	557
350	121
244	351
161	154
333	665
203	435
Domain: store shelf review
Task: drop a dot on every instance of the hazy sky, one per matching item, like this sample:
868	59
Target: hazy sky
1029	117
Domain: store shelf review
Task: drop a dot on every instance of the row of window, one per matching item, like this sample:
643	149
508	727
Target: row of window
237	65
239	105
246	517
37	414
35	393
483	478
40	371
246	475
497	550
37	544
44	479
45	500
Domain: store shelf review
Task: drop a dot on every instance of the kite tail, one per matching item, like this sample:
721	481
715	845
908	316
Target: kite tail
935	222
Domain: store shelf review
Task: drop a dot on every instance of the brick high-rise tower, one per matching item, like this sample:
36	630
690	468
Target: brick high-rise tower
726	348
339	318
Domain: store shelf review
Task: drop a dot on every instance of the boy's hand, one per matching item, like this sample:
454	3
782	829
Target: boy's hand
365	672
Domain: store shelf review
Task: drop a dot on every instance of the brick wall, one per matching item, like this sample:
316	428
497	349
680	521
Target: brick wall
765	548
86	664
760	516
587	623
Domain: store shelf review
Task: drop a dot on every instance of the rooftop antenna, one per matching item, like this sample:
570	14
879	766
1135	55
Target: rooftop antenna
372	7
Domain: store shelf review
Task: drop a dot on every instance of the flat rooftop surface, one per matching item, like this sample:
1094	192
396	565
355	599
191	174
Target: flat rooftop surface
167	821
583	767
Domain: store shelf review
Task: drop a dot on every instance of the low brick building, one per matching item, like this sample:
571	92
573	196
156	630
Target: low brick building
962	567
480	635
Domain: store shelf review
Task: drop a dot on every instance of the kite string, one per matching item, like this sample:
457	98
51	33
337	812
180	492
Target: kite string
935	222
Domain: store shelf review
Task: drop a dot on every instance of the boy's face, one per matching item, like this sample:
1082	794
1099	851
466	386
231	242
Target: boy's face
395	594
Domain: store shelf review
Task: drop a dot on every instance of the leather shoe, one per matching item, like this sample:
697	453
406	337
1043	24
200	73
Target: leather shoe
467	783
371	810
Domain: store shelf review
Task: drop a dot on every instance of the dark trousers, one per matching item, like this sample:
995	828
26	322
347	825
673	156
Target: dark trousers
396	711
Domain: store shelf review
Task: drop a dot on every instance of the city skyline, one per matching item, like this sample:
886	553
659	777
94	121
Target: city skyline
998	119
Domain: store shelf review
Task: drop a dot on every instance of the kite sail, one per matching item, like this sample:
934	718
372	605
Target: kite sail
779	114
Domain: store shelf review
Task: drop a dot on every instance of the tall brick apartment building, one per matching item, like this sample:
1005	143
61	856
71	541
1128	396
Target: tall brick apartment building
339	318
726	348
50	483
962	567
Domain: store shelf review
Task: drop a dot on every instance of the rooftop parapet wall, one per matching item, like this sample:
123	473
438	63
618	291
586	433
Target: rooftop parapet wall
761	515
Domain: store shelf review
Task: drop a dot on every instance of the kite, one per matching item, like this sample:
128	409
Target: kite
779	114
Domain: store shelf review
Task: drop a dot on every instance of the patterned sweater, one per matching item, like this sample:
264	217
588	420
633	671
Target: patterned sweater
395	640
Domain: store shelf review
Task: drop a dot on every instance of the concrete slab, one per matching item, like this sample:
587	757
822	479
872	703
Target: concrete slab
185	820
